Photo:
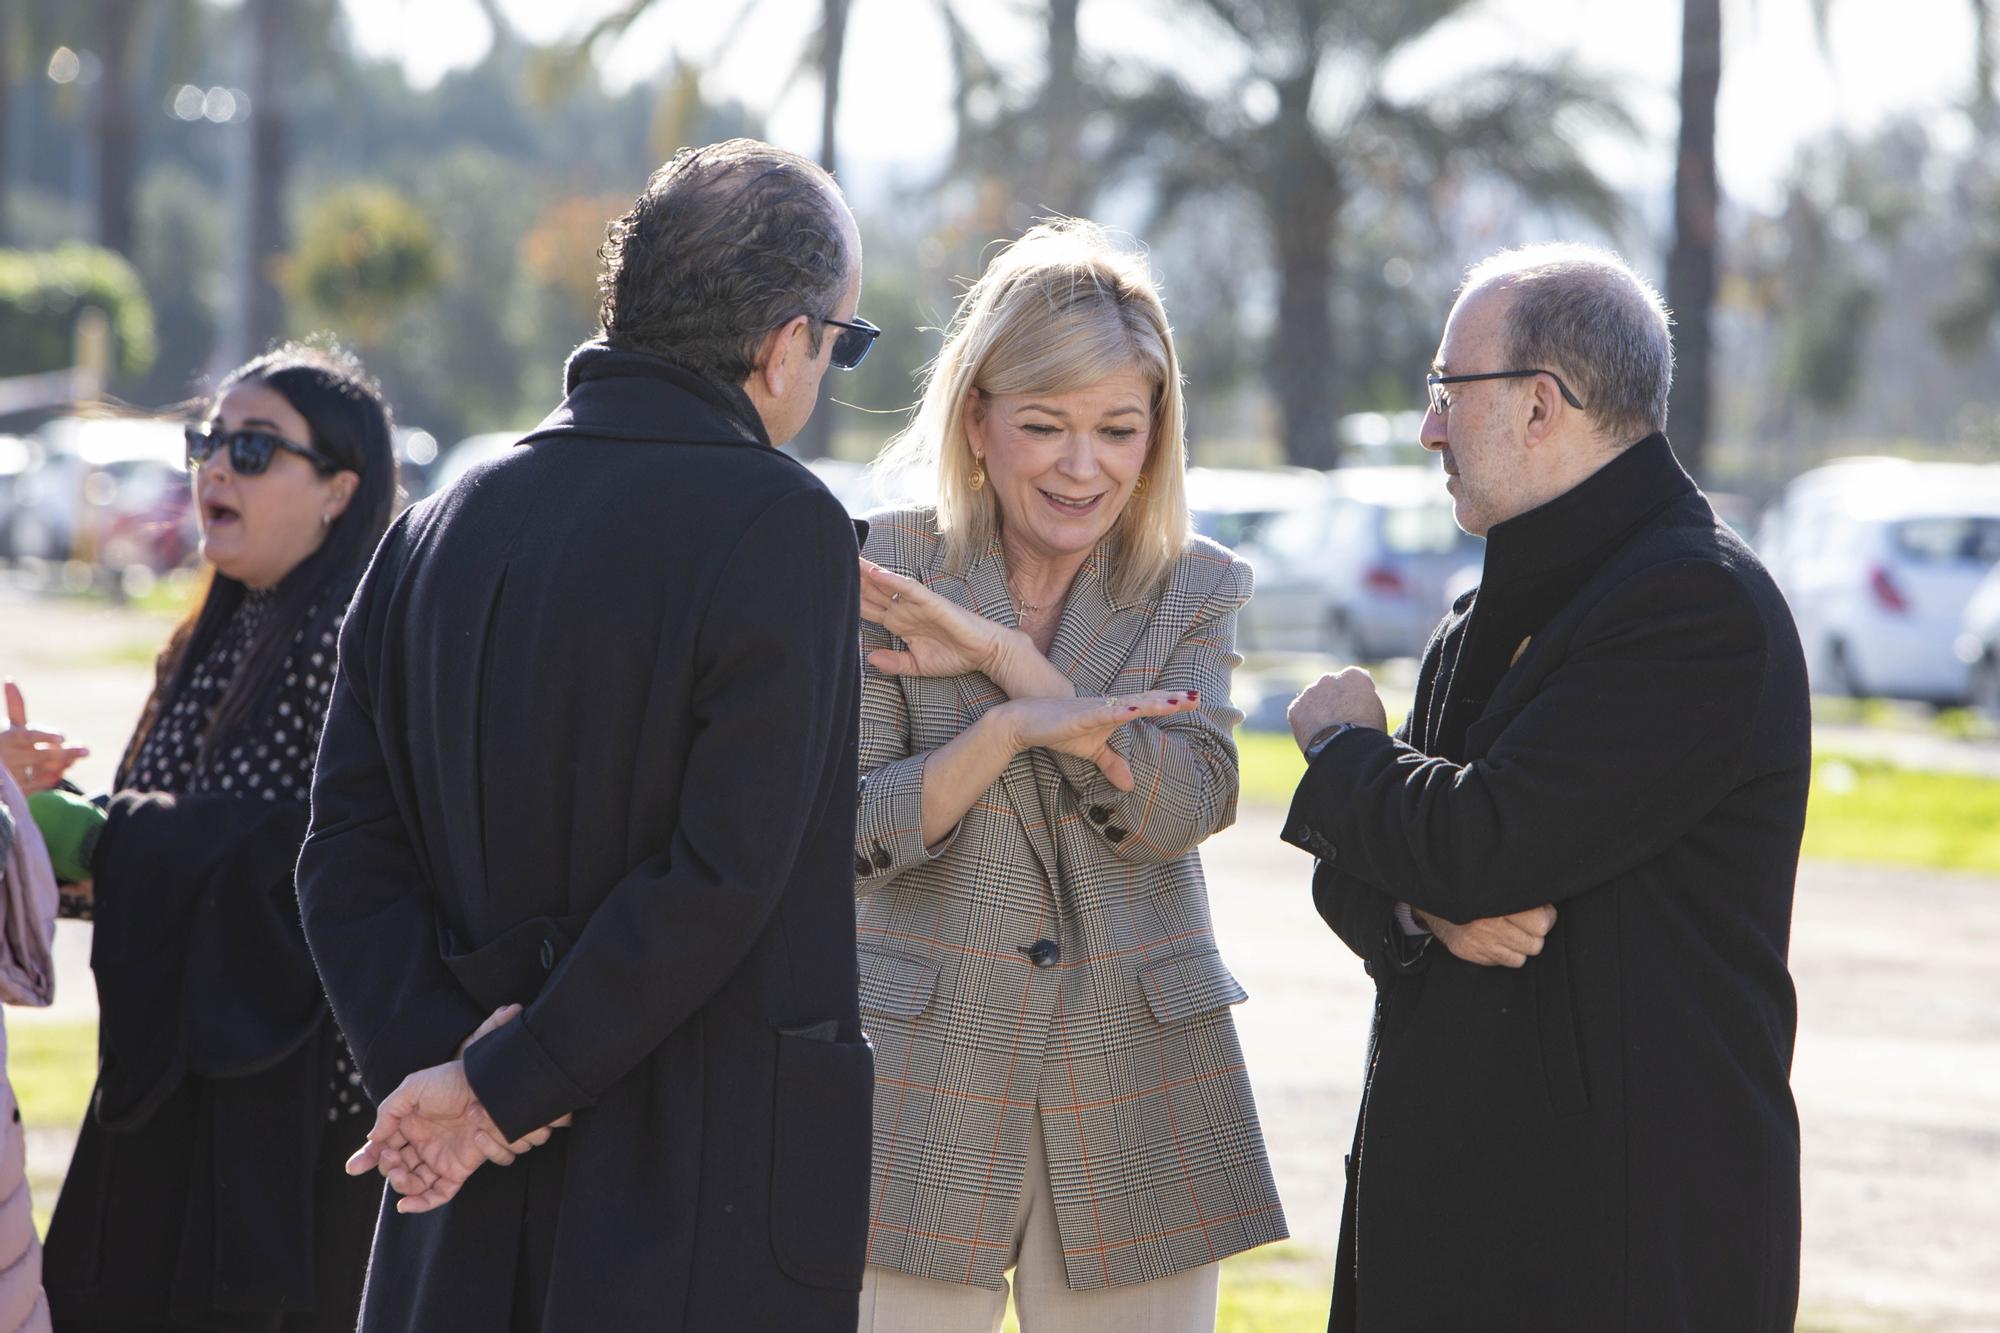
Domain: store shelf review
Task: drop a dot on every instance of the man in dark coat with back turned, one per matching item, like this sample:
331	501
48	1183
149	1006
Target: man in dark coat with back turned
1570	872
591	752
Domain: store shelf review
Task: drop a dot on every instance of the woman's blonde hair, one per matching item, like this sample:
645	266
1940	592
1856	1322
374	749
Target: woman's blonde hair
1057	310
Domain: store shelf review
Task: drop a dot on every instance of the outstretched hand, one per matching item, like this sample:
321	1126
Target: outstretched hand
1083	726
431	1133
940	637
37	760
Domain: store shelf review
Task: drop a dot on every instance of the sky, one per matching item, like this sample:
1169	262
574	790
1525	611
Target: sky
1780	85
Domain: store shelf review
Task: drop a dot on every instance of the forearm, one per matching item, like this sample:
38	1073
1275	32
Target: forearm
1184	785
958	773
1022	671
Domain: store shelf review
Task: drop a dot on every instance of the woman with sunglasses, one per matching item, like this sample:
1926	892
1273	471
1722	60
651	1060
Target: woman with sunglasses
208	1186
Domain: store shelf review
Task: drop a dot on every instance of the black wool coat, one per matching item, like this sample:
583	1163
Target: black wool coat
592	749
192	1191
1616	722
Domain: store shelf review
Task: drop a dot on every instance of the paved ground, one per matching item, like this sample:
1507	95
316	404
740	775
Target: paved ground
1897	1074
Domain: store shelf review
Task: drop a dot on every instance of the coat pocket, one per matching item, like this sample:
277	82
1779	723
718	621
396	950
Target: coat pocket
1555	1025
819	1160
896	985
1189	984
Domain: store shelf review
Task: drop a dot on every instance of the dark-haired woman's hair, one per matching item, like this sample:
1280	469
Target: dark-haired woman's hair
349	422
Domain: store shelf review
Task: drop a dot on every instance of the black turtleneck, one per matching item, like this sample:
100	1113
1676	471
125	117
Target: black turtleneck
1535	562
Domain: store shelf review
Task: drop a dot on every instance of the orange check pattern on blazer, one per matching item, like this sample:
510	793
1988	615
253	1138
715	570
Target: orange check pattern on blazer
1120	1038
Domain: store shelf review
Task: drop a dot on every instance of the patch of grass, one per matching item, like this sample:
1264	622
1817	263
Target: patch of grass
1270	766
52	1067
1860	809
1867	810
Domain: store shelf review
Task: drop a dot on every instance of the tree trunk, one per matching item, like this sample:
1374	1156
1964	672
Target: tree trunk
1982	69
815	438
1691	266
6	105
264	312
1063	176
117	125
1302	197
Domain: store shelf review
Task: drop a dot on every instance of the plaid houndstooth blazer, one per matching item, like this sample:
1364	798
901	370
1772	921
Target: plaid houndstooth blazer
1055	956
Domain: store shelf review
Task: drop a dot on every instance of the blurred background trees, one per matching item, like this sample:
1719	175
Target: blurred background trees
244	172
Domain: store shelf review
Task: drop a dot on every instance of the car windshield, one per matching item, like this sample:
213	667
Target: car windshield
1950	539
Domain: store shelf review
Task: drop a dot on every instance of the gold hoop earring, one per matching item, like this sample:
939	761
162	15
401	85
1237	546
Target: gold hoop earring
977	481
1139	486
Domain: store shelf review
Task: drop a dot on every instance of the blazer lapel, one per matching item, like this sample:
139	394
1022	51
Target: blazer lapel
1096	636
984	590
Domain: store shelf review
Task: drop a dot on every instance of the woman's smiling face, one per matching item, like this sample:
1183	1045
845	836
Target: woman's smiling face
1062	465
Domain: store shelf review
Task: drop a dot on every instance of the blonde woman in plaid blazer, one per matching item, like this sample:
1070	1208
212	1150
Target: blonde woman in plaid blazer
1045	740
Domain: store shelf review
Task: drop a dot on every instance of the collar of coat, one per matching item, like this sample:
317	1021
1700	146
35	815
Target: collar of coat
619	394
1570	531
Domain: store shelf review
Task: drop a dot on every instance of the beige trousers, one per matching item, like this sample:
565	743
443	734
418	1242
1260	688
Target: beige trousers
893	1302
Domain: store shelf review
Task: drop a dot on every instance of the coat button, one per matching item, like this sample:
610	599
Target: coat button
548	955
1115	833
882	858
862	865
1042	953
1099	814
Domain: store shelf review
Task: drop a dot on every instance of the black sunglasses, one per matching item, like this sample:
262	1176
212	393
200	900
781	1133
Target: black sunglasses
251	451
850	347
1441	401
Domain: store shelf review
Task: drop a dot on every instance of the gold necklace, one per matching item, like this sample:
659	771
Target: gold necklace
1028	607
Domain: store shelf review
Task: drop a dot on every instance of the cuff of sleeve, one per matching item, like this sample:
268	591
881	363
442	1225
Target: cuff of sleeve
1406	921
521	1088
889	830
404	1047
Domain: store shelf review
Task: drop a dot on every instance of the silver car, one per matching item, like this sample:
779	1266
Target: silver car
1360	574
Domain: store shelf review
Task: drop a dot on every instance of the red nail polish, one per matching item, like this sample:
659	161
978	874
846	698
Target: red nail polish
1133	709
1194	694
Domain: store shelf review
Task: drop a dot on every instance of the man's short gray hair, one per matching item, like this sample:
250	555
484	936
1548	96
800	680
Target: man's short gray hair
1583	313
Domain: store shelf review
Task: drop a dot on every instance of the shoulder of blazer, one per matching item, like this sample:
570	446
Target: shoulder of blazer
1208	569
905	540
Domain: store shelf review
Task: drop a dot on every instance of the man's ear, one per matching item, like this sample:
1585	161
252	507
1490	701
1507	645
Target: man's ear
783	354
1545	404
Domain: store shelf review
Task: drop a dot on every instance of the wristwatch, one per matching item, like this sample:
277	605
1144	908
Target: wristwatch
1324	737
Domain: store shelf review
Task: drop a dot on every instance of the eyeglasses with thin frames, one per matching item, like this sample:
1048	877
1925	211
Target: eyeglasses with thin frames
1441	400
850	346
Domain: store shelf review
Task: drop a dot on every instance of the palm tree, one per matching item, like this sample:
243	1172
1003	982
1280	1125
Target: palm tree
1691	264
117	125
1312	129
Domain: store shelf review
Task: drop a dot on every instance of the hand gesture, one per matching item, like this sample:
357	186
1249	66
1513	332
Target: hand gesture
431	1133
36	759
1345	696
1495	941
1083	726
941	637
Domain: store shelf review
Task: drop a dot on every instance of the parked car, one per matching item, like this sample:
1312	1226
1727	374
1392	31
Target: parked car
1879	560
1360	573
15	457
1978	645
1234	505
108	491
